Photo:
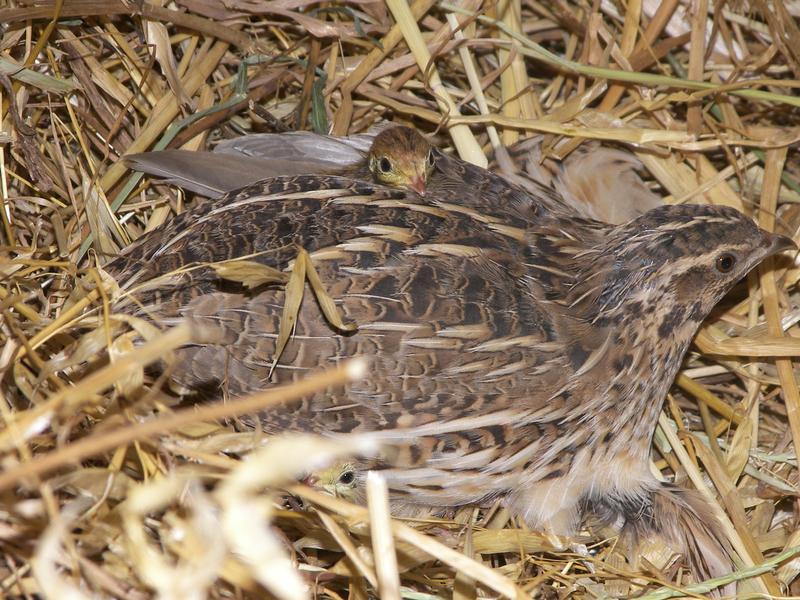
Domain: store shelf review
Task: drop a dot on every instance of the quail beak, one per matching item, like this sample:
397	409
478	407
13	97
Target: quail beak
310	480
779	243
417	183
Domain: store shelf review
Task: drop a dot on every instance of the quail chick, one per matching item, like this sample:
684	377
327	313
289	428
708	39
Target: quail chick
400	157
598	181
517	358
343	480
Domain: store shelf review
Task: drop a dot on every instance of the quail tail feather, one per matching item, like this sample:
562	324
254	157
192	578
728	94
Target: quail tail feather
683	519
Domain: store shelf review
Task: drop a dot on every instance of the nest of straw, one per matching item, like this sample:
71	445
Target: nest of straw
109	489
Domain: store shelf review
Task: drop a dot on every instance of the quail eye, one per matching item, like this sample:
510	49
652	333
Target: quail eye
347	477
430	159
384	165
725	262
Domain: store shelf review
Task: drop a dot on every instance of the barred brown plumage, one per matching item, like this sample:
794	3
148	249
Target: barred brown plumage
517	351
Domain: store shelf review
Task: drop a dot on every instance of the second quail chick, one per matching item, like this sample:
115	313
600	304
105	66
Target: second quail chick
342	480
598	181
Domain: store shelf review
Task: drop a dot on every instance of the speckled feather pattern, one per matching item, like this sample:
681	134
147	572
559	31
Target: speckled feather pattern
516	350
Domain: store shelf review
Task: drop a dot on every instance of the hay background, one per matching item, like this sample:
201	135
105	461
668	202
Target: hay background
108	491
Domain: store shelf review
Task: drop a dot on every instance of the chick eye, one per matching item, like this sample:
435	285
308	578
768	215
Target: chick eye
384	165
347	477
725	262
430	159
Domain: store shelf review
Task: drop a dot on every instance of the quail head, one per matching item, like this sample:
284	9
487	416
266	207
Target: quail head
401	157
517	351
342	480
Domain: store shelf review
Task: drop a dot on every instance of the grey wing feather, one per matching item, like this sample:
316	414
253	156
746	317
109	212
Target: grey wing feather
330	152
242	161
205	173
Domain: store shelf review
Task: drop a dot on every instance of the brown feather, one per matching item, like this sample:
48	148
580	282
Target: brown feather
681	518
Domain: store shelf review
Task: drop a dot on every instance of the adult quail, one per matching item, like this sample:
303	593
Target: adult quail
517	351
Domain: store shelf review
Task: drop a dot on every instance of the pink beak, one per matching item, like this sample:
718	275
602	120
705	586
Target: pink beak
418	184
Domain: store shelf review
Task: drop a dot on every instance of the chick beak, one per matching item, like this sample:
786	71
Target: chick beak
310	480
417	184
